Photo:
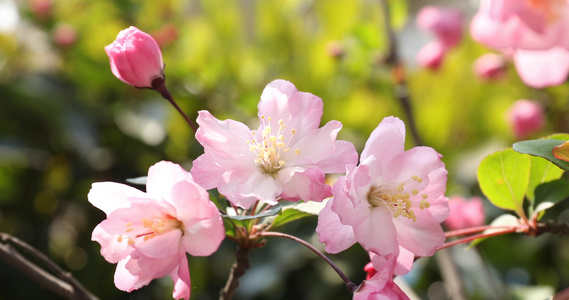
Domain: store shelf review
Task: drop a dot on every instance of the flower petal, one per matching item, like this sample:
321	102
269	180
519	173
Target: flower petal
337	236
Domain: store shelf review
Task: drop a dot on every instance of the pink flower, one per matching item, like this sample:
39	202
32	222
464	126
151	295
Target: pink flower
536	32
393	199
445	23
431	55
285	158
526	117
148	234
135	58
380	285
465	213
490	66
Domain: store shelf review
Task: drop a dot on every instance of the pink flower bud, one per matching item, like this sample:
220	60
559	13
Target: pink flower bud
135	58
490	66
431	55
465	213
370	270
41	9
65	35
445	23
526	117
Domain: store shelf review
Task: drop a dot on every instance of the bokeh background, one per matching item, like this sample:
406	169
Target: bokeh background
66	122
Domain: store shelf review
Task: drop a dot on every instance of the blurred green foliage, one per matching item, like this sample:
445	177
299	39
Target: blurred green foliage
66	122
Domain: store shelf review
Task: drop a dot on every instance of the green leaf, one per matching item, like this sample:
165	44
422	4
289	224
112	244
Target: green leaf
298	211
550	193
504	178
542	171
289	215
269	213
542	148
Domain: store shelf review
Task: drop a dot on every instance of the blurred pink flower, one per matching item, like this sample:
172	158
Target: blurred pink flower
394	199
380	285
445	23
465	213
285	158
526	117
490	66
536	32
431	55
135	58
148	234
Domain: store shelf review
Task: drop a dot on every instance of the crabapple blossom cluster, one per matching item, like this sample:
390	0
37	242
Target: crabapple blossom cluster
392	202
535	32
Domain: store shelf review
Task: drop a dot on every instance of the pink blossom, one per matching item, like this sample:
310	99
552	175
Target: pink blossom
535	31
465	213
135	58
148	234
285	158
380	285
431	55
394	199
526	117
445	23
490	66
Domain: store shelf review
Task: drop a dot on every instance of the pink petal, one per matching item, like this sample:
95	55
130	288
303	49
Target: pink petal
344	154
225	142
162	176
106	234
307	185
261	186
377	232
422	236
299	110
206	172
125	281
539	69
108	196
149	267
337	236
204	230
315	146
161	246
386	141
181	278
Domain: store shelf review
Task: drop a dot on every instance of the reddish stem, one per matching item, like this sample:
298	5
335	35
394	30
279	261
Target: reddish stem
472	230
477	236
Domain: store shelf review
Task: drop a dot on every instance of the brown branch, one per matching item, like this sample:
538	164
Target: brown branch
61	282
552	227
398	74
239	268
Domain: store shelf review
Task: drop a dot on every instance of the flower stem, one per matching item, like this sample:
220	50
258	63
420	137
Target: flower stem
478	236
472	230
159	85
352	287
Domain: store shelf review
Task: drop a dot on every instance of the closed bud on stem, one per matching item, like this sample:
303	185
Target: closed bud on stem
136	58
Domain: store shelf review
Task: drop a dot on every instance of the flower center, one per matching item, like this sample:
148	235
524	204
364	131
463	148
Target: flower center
271	147
149	228
396	198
